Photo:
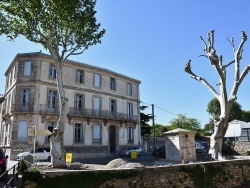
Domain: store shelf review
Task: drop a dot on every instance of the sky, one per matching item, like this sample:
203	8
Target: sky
151	40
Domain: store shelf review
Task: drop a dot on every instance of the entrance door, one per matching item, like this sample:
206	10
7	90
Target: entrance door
112	136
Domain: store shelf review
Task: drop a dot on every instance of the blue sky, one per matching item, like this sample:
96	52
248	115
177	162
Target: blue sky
151	40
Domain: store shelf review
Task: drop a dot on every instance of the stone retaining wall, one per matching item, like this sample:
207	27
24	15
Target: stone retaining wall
242	148
234	173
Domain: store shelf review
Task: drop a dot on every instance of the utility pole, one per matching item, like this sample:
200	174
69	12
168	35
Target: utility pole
153	121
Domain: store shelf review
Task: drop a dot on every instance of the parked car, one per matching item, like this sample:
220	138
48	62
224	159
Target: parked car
159	153
40	154
128	151
3	164
205	144
199	147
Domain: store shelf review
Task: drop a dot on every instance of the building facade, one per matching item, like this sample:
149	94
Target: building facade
103	114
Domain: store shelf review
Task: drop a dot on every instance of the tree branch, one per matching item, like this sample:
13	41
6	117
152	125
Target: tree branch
200	79
225	66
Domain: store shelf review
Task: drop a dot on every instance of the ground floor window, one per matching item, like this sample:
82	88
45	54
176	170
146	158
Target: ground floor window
130	135
78	133
96	133
22	131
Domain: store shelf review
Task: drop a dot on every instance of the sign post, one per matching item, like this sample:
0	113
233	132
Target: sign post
37	132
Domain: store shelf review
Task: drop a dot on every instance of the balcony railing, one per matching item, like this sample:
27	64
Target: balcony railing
22	107
102	114
47	109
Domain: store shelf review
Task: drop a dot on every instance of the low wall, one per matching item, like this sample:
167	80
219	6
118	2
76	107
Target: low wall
234	173
242	148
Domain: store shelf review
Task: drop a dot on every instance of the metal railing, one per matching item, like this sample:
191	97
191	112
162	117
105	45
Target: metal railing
104	114
14	175
44	108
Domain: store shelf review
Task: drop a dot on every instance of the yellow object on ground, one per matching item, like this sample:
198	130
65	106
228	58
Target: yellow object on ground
68	157
133	155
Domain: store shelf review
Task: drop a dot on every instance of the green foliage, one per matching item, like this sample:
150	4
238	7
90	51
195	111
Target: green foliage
59	25
33	175
144	119
213	108
22	166
185	123
160	129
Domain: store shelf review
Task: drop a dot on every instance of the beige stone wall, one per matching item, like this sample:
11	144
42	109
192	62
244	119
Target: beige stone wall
40	83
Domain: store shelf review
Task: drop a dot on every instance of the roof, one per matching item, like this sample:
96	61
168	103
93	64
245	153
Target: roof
179	130
235	127
40	54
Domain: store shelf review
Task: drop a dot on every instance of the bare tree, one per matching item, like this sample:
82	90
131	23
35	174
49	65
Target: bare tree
226	101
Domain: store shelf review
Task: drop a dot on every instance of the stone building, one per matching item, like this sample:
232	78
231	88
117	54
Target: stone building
103	114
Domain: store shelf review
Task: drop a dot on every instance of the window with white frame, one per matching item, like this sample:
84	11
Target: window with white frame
52	101
130	135
129	89
25	98
79	76
78	133
112	84
97	106
96	133
97	80
15	72
27	68
79	103
22	131
52	72
130	110
10	80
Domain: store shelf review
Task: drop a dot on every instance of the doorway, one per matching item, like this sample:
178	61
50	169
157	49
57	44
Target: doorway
112	139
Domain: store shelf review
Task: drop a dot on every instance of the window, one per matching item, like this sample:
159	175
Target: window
52	72
79	76
22	131
15	72
25	99
112	84
130	111
51	126
130	135
27	68
78	133
10	80
245	135
96	133
52	101
97	106
97	80
129	89
79	103
113	106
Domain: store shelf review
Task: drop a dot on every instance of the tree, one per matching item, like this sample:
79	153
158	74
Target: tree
185	123
62	27
144	119
226	101
246	116
160	129
213	108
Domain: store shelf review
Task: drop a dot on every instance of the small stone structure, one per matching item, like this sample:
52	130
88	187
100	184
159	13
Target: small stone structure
180	145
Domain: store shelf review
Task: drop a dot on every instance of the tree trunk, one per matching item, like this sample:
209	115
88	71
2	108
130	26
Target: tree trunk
216	140
57	139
